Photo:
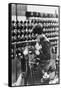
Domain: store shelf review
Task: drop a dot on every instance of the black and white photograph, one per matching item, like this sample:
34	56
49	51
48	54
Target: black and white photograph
34	44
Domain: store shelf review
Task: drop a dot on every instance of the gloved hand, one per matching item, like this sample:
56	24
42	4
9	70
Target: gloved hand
25	52
37	52
38	48
46	76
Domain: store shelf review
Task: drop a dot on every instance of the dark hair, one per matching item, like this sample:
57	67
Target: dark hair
38	29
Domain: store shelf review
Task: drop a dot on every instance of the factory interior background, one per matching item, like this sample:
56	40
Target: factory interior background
23	18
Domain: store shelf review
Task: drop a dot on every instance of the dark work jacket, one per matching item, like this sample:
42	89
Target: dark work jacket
44	55
45	61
